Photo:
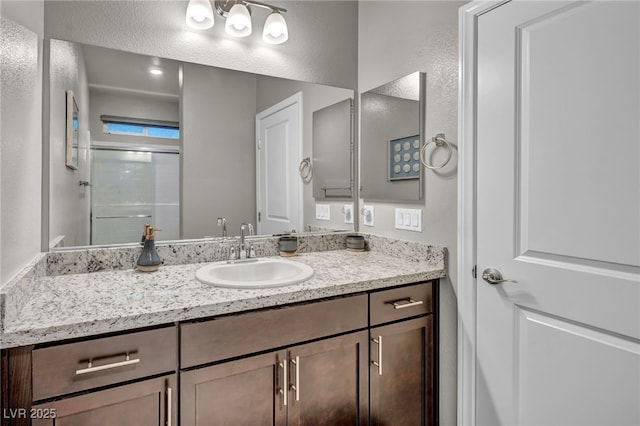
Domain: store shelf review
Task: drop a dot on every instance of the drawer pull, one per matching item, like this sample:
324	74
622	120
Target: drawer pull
91	369
285	379
296	387
405	303
378	363
169	401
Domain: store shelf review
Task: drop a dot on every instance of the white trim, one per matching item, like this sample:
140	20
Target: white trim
467	27
295	99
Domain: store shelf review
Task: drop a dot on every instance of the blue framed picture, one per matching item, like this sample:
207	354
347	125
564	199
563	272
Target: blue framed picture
404	158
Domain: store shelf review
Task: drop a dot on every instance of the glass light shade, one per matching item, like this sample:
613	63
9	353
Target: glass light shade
275	29
199	14
239	21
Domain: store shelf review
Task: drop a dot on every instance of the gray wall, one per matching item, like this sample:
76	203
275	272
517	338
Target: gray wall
158	28
218	155
422	36
20	134
67	199
131	105
314	97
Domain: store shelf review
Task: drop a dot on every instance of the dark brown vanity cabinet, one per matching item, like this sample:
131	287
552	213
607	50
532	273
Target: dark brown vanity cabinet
363	359
320	383
403	357
126	379
147	403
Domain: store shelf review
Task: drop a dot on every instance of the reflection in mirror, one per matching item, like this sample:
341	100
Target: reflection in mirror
172	144
392	133
332	164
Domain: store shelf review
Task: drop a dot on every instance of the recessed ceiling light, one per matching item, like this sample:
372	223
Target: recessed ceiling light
155	71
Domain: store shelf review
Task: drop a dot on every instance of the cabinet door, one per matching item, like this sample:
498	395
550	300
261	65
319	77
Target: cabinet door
249	391
137	404
328	382
401	369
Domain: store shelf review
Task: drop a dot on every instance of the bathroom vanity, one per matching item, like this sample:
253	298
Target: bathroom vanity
355	344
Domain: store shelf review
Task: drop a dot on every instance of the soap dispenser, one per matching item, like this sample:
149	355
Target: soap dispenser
149	260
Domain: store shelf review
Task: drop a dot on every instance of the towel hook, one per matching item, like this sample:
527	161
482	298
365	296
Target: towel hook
439	140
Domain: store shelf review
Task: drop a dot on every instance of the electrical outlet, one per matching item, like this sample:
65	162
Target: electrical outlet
409	219
348	213
368	214
323	212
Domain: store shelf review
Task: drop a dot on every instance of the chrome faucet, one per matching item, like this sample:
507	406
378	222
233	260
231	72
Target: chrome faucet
242	252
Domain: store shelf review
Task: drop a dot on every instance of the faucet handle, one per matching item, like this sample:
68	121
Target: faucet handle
232	253
252	251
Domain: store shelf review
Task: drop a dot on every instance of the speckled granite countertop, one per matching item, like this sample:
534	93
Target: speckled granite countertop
78	305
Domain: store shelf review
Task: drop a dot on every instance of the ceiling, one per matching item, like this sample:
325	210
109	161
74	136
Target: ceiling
110	70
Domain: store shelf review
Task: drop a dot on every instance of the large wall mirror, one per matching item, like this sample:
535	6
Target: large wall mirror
392	134
170	143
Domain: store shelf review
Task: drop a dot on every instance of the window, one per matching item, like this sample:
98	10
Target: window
140	127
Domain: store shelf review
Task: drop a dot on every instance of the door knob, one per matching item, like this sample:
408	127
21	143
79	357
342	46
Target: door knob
493	276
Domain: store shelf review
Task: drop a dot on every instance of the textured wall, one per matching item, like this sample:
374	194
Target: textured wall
422	36
322	45
20	134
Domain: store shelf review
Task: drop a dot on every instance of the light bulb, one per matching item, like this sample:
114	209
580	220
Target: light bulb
275	29
199	14
238	21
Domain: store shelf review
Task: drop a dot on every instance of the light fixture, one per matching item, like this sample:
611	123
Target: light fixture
155	71
238	21
275	29
199	14
238	16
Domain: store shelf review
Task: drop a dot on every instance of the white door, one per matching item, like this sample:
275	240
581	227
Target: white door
279	136
558	210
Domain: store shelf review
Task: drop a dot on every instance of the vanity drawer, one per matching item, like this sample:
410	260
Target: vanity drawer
63	369
398	303
232	336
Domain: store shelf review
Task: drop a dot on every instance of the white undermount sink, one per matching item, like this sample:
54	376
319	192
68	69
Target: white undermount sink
260	273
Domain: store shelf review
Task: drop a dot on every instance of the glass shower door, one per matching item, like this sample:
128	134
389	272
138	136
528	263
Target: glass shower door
131	188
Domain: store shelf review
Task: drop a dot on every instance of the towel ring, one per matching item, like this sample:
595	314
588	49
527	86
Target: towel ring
306	170
439	140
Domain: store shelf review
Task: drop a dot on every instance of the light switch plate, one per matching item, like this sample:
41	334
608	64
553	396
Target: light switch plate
368	215
323	212
348	213
409	219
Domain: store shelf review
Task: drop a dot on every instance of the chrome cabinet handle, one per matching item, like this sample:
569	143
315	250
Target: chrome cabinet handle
296	387
405	303
169	406
91	369
379	362
285	380
493	276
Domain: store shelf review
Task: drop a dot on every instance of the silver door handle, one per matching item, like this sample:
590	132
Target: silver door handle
493	276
